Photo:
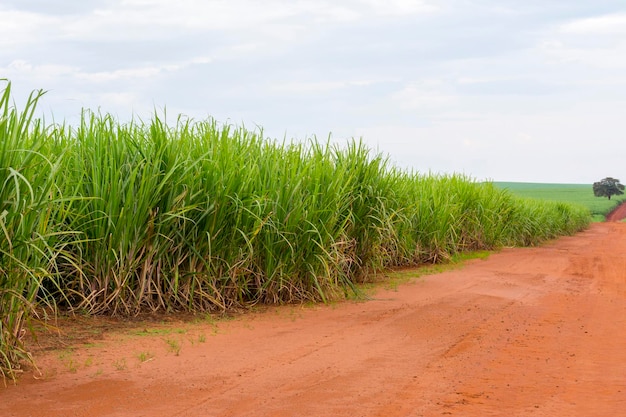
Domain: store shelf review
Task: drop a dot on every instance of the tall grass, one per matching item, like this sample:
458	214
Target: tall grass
197	216
27	230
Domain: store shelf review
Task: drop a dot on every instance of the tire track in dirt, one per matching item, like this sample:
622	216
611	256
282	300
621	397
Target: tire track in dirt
530	331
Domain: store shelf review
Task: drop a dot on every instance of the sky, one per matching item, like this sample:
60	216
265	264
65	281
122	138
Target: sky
500	90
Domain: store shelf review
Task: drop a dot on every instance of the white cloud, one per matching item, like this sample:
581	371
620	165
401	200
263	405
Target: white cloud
126	74
450	85
524	138
484	79
402	7
19	27
605	57
22	68
424	95
117	99
135	20
611	24
318	87
19	65
593	42
552	147
473	144
19	68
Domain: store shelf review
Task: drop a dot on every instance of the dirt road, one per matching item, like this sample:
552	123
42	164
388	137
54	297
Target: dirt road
617	214
526	332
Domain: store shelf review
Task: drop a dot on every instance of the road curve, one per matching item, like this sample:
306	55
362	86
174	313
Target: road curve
618	214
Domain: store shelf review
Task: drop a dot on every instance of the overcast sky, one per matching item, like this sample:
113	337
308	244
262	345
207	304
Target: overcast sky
503	90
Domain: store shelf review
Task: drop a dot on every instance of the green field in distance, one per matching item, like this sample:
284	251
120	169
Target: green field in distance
571	193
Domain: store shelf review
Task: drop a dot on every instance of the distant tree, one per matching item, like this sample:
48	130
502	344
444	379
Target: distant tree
608	187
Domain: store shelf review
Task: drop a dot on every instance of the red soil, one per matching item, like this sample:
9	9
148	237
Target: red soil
527	332
617	214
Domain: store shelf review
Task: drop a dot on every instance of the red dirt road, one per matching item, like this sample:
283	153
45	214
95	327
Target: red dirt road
617	214
526	332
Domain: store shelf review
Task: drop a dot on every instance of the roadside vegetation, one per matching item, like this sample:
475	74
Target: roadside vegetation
582	194
111	218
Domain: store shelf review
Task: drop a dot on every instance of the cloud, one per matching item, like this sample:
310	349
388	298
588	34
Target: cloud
145	72
610	24
22	68
19	68
554	146
19	27
611	57
402	7
593	42
518	85
319	87
123	99
450	85
137	20
425	95
524	138
473	144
